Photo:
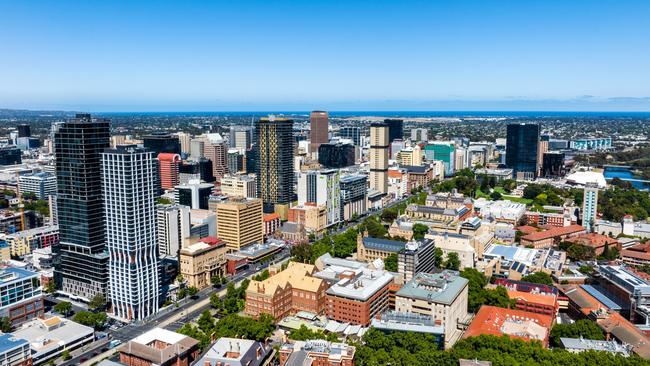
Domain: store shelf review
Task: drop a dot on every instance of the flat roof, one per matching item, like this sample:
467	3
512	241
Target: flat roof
362	286
9	342
441	287
46	335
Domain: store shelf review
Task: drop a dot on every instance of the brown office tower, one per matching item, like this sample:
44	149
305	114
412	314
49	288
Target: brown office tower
318	121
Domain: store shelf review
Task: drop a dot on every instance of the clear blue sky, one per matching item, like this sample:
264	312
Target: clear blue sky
339	55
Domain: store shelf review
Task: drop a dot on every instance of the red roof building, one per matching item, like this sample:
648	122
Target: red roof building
636	255
596	241
535	302
514	323
546	239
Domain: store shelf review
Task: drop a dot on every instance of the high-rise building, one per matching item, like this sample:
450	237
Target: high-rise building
24	130
194	194
419	135
10	155
553	164
184	139
336	155
235	161
168	165
443	151
322	188
318	124
216	150
395	129
240	222
129	199
274	161
200	169
589	206
379	157
417	256
351	133
542	148
522	144
173	227
162	143
354	194
239	186
197	148
81	268
240	138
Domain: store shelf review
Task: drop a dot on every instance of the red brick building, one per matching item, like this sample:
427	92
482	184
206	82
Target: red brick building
596	241
160	347
317	353
535	302
272	223
548	238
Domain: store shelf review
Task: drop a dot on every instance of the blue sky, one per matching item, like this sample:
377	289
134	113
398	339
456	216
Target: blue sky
336	55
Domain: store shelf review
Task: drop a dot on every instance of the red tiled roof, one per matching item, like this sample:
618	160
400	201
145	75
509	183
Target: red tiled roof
531	298
592	239
271	217
639	251
556	231
527	229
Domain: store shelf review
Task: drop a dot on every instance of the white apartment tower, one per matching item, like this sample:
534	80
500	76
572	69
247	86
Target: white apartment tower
379	157
173	223
129	189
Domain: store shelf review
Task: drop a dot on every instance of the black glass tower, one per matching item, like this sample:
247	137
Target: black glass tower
336	155
81	267
274	161
395	129
24	130
162	143
522	144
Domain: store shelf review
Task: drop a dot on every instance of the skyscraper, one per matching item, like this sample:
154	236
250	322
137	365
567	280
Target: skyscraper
521	149
444	151
379	157
161	142
589	206
81	268
168	165
216	150
274	161
240	222
24	130
352	133
173	224
318	124
240	138
322	188
129	198
395	129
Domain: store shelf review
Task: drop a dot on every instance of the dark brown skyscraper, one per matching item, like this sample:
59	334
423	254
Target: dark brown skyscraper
318	125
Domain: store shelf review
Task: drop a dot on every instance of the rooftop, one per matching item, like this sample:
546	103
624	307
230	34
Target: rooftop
159	345
554	232
360	284
407	322
47	335
235	352
383	244
441	287
515	323
583	344
9	342
297	275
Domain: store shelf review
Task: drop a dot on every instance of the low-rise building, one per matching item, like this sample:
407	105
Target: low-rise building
21	298
446	216
48	338
14	351
548	238
40	185
535	302
311	216
636	255
448	200
514	323
442	296
24	242
631	290
577	345
596	241
316	352
201	261
159	347
460	244
395	322
286	292
501	211
358	296
548	218
272	223
516	262
370	249
236	352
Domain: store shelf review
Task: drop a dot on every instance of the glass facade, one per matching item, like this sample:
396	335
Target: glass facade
522	144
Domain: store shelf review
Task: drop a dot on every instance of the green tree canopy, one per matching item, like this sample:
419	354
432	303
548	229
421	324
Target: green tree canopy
539	277
390	263
582	328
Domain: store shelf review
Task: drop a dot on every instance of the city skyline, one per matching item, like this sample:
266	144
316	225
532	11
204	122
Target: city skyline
447	56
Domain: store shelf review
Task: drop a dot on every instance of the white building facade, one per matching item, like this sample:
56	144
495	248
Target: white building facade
128	184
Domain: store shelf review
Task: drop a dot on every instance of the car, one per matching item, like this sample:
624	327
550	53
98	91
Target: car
83	359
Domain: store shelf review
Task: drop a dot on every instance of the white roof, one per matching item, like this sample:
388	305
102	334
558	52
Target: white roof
160	334
582	178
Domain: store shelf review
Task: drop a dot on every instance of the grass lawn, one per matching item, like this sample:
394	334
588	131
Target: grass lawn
526	201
